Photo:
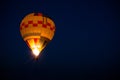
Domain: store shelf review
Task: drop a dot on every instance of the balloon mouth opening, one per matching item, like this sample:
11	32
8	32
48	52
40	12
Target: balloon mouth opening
36	52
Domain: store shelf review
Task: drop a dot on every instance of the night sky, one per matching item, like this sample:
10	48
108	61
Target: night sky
86	45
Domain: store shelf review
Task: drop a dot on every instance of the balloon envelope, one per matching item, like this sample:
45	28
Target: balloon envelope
37	31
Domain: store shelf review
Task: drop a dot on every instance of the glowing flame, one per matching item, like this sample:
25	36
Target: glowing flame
36	51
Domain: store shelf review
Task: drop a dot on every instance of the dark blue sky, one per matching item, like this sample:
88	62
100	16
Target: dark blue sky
86	44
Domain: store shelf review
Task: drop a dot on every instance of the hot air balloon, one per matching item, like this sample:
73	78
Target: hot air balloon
37	30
